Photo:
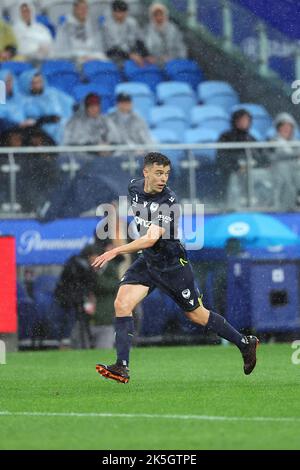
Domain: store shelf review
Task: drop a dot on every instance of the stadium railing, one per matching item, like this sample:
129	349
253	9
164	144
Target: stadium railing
37	174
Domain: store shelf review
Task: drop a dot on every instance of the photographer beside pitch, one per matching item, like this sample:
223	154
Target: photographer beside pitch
163	264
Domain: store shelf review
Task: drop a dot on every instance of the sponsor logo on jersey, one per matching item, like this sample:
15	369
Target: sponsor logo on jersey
186	293
171	199
143	222
165	218
154	206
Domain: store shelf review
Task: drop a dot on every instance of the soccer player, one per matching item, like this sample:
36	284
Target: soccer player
163	264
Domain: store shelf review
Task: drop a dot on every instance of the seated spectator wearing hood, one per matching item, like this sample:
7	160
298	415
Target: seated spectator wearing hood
49	105
285	164
13	110
76	38
122	35
88	126
7	39
164	40
33	38
131	128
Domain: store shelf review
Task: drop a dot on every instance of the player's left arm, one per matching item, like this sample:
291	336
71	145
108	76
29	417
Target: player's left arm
147	241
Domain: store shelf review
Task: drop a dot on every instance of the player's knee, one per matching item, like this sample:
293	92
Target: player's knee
199	316
122	307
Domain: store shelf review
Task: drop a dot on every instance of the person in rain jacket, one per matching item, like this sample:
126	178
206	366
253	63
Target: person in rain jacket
76	37
122	35
285	164
163	38
88	126
43	101
33	38
14	109
132	129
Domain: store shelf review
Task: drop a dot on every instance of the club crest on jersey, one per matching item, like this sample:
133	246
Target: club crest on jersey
154	206
186	294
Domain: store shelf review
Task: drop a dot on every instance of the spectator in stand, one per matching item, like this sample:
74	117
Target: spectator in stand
232	164
131	128
88	126
49	106
33	38
285	164
77	38
122	36
164	40
14	108
7	39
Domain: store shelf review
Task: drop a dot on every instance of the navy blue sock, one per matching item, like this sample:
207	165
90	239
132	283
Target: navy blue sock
220	325
124	334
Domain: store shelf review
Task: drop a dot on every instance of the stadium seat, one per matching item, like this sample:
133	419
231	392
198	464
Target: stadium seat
261	120
210	116
184	70
169	117
177	94
43	19
142	96
61	74
16	67
202	135
217	93
51	66
150	74
57	8
107	98
102	72
169	136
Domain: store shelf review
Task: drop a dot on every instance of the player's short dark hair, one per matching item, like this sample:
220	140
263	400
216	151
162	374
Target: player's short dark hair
156	157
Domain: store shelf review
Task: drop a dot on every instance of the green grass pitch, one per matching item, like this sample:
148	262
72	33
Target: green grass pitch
178	398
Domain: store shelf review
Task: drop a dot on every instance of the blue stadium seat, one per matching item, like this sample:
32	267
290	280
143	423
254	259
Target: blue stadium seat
16	67
107	98
261	119
203	135
169	117
57	8
210	116
150	74
184	70
102	72
168	136
218	93
142	96
43	19
176	94
61	74
60	65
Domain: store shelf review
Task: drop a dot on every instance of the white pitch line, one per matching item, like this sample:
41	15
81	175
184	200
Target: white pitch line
151	416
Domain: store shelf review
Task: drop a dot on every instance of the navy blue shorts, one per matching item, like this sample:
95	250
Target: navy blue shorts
179	283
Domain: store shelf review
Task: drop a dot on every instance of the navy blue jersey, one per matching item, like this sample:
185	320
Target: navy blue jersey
161	209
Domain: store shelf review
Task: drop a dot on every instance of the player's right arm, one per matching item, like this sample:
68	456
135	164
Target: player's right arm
146	241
